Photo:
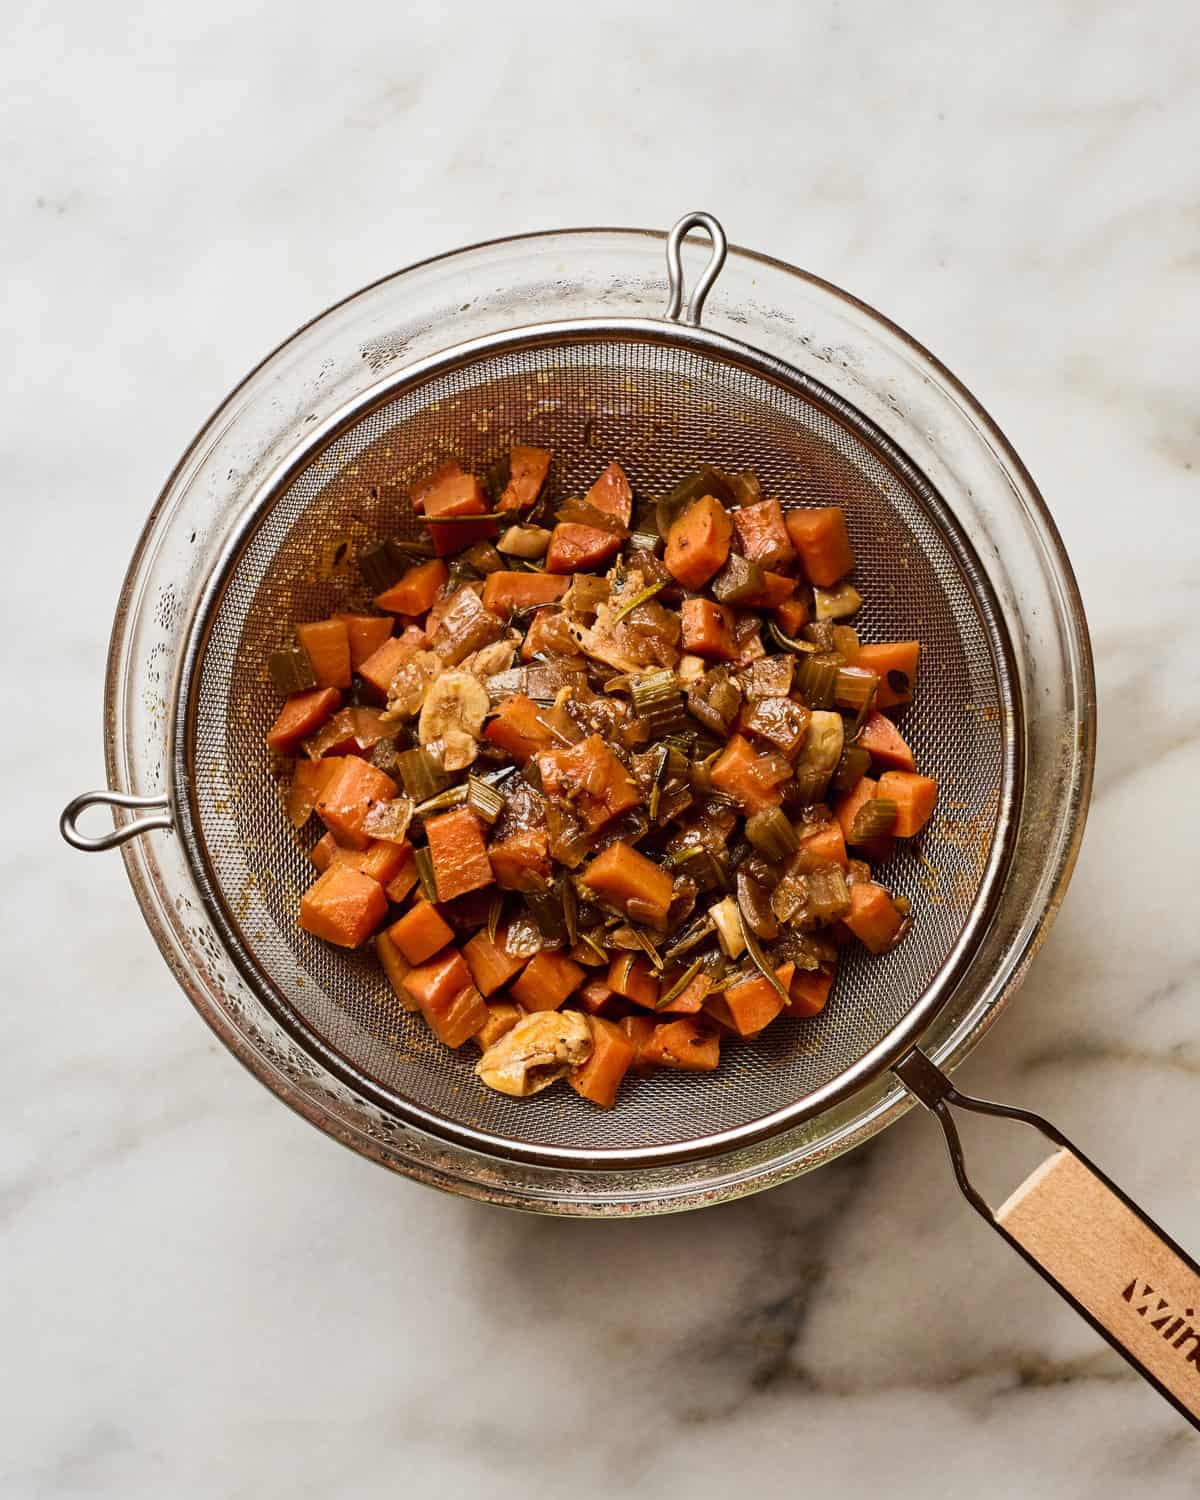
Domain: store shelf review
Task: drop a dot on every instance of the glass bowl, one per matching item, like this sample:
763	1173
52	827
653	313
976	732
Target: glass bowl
492	288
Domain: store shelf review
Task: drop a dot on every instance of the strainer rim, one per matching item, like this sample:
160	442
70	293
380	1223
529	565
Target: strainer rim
896	1042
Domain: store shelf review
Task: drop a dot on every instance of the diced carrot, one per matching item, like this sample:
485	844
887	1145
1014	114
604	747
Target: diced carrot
415	591
630	974
821	539
685	1044
517	727
380	860
527	470
763	535
454	535
595	996
302	715
436	982
366	634
690	1000
395	968
505	593
708	629
698	542
640	1031
353	790
808	992
548	632
612	1053
491	964
420	933
612	494
547	980
455	494
895	662
448	472
625	876
521	862
383	860
501	1018
327	645
326	851
776	591
826	846
405	878
886	744
792	616
460	860
309	779
756	1002
847	806
748	777
576	548
383	664
873	917
591	778
914	797
460	1020
343	906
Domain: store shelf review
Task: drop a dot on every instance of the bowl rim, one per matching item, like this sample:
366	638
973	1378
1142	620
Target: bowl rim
1074	818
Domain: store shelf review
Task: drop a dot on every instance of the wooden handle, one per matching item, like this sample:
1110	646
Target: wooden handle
1137	1288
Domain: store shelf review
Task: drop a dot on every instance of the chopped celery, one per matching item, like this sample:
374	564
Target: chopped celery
873	818
771	833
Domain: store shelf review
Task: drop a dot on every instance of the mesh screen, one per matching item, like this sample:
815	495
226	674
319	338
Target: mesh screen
659	410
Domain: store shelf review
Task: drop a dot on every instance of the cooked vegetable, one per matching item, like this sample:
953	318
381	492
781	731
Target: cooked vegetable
809	992
749	778
527	470
854	764
847	808
739	581
309	779
876	816
821	539
452	716
484	801
421	774
395	968
420	933
546	981
882	742
460	861
753	1003
828	895
349	795
300	716
291	671
873	917
536	1052
625	877
574	547
707	629
698	542
600	1077
763	536
684	1044
524	541
415	592
490	963
913	797
728	923
343	906
506	594
326	643
895	664
826	846
838	603
771	833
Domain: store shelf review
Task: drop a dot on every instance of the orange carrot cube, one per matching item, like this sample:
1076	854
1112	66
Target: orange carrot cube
343	906
612	1053
459	854
547	980
302	715
353	790
420	933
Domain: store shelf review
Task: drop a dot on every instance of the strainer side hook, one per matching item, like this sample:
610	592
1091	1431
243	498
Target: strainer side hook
675	273
158	806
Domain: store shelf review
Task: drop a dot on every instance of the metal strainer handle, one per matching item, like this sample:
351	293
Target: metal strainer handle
1095	1246
68	824
675	274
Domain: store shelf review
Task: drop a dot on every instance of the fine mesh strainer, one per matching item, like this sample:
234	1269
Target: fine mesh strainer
660	394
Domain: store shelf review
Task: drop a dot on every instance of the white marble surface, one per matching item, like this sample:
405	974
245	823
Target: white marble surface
200	1295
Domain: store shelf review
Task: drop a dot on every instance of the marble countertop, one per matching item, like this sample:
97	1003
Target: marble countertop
202	1296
